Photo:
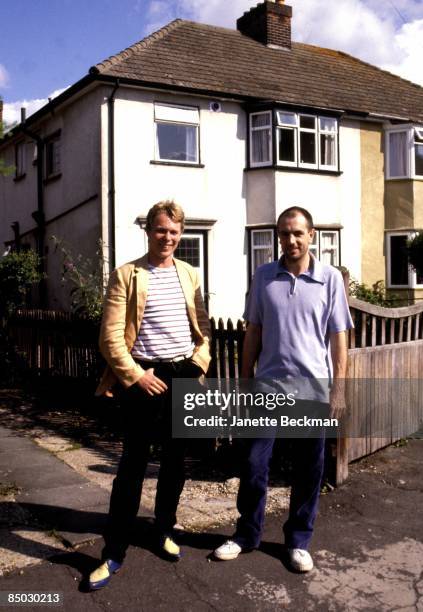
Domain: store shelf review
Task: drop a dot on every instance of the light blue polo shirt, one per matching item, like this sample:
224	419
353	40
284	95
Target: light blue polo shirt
297	314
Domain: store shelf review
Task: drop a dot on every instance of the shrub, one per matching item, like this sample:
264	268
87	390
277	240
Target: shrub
86	277
376	294
18	272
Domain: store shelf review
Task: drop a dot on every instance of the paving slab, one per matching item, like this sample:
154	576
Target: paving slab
50	491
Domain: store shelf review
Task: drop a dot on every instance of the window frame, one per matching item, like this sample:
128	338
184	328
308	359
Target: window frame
412	275
269	127
157	122
49	143
20	159
317	131
254	248
412	141
320	230
417	141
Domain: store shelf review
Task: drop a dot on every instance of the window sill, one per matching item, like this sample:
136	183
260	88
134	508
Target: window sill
52	178
295	169
175	163
19	177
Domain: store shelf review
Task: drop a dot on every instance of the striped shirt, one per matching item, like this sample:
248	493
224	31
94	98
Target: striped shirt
165	330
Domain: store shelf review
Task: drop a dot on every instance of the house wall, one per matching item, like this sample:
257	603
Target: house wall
372	203
214	193
79	182
330	199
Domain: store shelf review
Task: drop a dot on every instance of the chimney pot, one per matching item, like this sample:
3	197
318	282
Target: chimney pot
23	114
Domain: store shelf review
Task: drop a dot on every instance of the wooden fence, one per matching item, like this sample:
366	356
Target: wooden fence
387	343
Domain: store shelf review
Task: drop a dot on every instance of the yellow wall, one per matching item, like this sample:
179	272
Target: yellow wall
399	204
418	204
372	201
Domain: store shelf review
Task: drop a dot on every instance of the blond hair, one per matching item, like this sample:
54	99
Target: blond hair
169	208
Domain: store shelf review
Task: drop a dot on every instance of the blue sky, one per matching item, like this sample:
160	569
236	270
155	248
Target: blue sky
46	45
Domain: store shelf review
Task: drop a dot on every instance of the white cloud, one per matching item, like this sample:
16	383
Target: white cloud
410	41
368	29
12	110
4	76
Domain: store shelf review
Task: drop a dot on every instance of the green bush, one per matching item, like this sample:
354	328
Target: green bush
18	272
86	278
376	294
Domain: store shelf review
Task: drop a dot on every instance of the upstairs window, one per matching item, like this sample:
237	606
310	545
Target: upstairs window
418	151
53	155
404	152
177	130
20	160
261	139
307	141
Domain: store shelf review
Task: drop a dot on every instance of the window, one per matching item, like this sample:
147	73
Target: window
53	161
192	248
400	273
307	141
404	152
262	247
418	151
261	138
325	246
177	133
20	160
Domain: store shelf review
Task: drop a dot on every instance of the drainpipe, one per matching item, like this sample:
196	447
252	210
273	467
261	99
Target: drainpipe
111	169
38	215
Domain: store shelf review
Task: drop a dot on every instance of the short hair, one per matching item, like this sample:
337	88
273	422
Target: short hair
293	211
169	208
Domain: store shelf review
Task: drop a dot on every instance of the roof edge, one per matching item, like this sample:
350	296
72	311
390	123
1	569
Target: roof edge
142	44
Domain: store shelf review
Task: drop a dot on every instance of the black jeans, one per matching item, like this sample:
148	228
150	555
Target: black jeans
148	420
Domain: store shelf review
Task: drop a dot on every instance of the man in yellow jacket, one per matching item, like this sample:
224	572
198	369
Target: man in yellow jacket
154	329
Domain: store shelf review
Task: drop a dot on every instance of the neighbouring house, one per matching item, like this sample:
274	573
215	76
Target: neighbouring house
235	125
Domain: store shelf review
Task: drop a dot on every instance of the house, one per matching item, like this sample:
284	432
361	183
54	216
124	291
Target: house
235	125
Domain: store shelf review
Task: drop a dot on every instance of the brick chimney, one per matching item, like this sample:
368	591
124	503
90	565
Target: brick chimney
268	23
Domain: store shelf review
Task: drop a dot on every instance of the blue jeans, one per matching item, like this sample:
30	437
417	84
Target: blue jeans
308	463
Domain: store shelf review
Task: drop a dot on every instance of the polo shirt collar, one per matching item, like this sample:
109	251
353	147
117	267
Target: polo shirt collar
315	272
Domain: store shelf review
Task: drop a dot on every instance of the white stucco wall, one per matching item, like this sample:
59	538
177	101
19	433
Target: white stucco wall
214	192
330	199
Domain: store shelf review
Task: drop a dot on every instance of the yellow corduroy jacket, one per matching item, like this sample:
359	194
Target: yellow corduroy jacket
123	312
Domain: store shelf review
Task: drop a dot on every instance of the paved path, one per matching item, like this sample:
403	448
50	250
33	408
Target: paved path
368	545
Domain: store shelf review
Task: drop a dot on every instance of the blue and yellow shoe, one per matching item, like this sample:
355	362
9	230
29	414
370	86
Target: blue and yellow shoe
168	548
100	577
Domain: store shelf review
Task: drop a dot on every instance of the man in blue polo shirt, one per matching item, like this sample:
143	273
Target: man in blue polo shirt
297	315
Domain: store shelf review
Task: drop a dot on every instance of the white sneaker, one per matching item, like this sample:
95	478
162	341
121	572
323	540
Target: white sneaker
228	551
300	559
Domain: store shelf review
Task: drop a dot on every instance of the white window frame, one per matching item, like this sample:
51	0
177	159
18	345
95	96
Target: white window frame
316	145
408	159
412	276
417	140
254	248
201	268
323	132
189	121
281	125
316	248
412	131
269	127
317	131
